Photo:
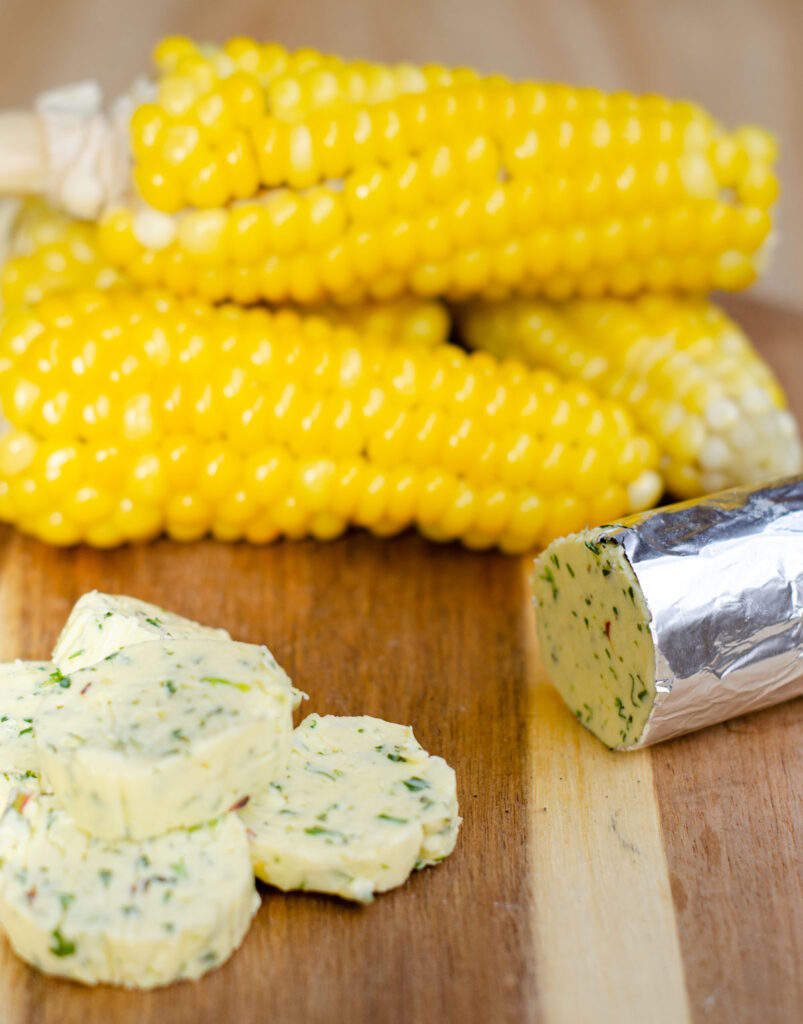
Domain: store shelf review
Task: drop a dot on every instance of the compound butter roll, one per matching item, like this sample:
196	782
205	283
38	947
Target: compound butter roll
674	619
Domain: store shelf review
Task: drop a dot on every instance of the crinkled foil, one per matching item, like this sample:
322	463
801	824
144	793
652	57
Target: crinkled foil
723	580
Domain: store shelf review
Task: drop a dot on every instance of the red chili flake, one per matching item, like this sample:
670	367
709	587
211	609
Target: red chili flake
250	833
30	895
85	689
240	804
20	801
608	630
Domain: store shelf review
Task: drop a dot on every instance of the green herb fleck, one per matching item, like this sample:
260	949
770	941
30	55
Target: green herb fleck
60	678
77	654
154	622
389	817
61	947
319	830
169	685
65	899
570	570
414	783
215	681
24	731
548	577
179	869
105	877
397	757
592	547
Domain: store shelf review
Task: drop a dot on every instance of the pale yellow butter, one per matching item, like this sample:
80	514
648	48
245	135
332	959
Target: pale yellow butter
594	635
100	624
360	806
137	914
164	734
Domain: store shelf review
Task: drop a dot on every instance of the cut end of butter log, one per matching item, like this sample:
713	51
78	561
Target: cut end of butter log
164	735
124	913
594	634
359	807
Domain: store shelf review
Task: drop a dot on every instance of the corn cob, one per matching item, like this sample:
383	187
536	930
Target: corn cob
135	413
49	251
688	373
315	179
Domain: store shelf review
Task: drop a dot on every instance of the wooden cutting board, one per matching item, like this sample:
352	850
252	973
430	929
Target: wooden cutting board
659	886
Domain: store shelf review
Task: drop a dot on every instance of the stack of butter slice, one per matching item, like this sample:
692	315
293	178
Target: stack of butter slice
151	769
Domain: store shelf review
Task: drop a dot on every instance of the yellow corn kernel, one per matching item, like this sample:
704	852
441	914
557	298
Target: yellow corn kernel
447	183
134	412
690	376
49	252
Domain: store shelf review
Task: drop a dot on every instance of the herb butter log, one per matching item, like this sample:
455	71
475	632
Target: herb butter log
133	914
360	806
100	624
677	618
164	734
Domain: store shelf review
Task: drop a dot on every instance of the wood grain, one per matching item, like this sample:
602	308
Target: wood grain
397	630
602	894
731	801
539	916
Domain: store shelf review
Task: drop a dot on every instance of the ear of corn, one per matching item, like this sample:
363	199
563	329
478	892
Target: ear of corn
315	179
134	413
690	376
49	251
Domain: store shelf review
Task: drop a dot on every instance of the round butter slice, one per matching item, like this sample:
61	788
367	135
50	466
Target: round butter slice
124	913
360	805
100	624
164	735
22	684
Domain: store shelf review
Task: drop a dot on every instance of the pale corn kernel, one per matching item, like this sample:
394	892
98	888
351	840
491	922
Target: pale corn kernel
687	372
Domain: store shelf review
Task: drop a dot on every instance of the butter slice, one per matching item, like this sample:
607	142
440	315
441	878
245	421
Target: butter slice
360	806
22	684
164	735
100	624
594	635
124	913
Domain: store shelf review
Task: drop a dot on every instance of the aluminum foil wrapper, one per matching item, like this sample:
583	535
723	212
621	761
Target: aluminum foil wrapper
723	579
